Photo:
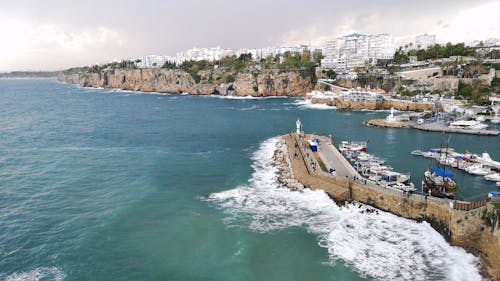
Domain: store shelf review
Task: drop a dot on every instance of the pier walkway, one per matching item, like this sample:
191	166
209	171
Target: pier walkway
336	160
346	177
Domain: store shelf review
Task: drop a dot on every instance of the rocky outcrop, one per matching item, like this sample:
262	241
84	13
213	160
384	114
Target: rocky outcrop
262	83
386	104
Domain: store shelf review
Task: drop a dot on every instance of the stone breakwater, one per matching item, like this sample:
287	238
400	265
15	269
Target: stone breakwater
385	124
285	172
466	229
258	84
353	104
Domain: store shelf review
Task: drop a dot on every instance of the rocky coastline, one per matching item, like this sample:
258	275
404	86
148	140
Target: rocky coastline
262	83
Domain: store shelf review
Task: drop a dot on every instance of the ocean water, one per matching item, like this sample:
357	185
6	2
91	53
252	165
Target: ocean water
97	184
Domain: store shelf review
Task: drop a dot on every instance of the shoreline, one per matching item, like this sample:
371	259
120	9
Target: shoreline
448	222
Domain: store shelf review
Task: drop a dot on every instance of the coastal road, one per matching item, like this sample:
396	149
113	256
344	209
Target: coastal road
336	160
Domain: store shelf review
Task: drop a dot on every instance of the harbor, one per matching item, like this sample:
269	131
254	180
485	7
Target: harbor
434	124
316	163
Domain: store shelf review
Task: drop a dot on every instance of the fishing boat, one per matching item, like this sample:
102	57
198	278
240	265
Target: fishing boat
354	146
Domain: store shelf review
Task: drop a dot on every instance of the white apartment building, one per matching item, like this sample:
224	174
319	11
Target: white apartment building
425	40
214	54
357	50
152	61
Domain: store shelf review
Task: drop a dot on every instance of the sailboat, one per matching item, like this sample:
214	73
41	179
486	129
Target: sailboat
439	182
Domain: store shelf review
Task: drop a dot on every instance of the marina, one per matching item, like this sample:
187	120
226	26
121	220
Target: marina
471	163
340	177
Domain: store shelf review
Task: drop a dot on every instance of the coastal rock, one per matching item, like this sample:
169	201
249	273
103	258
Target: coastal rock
352	104
258	83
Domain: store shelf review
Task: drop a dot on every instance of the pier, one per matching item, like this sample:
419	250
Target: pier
460	222
431	127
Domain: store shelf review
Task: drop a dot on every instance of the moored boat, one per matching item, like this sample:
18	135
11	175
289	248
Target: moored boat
438	182
492	177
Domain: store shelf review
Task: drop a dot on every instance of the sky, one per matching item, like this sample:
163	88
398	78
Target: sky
57	34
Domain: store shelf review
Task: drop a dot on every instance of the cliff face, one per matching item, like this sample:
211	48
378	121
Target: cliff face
262	83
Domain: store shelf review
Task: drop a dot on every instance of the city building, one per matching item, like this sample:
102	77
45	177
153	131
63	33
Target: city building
217	53
425	40
357	50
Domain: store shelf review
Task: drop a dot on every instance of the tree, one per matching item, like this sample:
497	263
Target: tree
238	64
245	57
331	74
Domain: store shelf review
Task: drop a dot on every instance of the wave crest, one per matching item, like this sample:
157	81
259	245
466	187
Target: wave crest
373	242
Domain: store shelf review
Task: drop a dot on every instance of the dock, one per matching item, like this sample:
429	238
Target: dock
431	127
459	222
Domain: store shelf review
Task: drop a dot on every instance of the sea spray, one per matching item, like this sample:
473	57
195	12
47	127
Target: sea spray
373	242
40	273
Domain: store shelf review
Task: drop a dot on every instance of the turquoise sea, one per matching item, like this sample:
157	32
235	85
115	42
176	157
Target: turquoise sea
98	184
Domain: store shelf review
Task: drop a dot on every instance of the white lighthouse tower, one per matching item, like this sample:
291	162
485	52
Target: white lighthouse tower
299	126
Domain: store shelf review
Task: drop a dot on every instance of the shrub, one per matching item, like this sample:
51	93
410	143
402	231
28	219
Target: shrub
230	79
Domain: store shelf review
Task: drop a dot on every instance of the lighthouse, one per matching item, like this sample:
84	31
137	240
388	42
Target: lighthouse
299	126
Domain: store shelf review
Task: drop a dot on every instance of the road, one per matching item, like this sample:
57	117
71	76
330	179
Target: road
336	160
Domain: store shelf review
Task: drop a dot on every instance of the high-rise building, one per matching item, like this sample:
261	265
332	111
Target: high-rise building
425	40
357	50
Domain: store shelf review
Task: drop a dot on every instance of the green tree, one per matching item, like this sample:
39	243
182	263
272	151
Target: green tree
331	74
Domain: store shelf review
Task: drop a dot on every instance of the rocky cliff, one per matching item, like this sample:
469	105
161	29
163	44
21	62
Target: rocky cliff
260	84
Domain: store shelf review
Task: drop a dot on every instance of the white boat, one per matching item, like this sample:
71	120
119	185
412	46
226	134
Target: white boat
417	152
493	177
486	159
429	154
498	183
478	170
401	186
468	125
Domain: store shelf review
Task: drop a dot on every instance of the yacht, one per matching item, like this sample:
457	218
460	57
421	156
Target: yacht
478	170
468	125
493	177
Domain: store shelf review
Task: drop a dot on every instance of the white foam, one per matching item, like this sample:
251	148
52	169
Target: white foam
372	242
40	273
305	103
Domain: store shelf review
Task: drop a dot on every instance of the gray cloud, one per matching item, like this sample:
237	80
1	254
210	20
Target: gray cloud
166	27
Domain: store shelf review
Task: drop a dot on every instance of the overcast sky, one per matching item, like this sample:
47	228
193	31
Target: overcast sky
56	34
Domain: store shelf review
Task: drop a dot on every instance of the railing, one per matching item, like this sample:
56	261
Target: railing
467	206
361	182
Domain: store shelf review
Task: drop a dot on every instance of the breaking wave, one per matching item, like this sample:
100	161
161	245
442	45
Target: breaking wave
305	103
40	273
373	242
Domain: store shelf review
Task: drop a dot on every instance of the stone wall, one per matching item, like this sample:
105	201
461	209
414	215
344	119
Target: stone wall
466	229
